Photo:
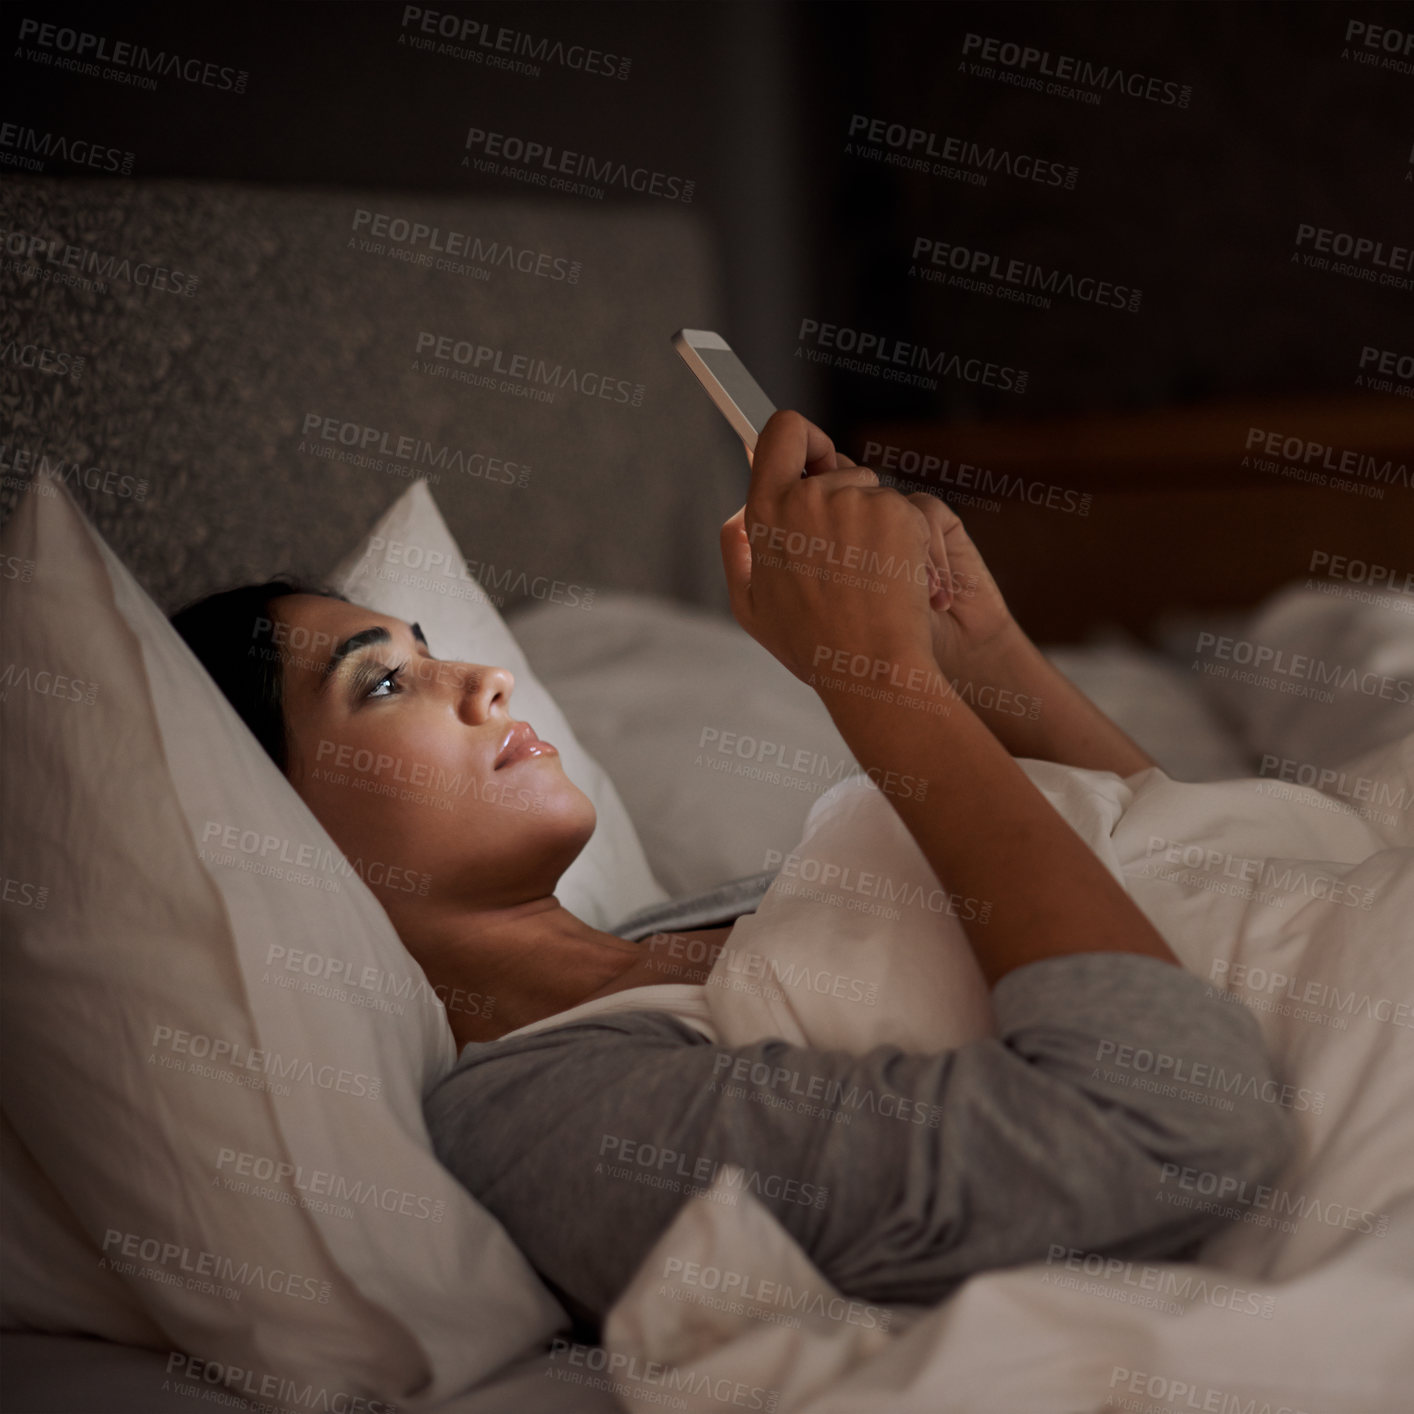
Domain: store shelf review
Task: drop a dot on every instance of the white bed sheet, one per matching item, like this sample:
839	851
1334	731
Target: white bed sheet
1308	1308
1009	1340
1318	1318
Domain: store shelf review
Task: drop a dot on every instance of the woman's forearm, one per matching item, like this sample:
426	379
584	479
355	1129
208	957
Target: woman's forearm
987	832
1067	727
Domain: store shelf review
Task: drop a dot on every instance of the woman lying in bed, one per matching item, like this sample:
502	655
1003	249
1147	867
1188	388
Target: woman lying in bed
584	1117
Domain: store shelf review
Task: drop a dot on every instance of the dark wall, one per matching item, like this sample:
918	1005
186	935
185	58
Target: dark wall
1196	207
1260	120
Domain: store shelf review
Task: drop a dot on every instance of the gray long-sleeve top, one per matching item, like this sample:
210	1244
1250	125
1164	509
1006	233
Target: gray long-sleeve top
1112	1077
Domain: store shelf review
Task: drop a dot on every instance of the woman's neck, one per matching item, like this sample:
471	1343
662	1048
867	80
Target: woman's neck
500	969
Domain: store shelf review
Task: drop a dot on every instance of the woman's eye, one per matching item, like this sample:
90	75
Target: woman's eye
390	679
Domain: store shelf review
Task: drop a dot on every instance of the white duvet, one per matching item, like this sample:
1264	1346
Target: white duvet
1295	903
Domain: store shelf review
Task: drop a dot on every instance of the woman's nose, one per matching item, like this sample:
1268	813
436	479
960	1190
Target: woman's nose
481	689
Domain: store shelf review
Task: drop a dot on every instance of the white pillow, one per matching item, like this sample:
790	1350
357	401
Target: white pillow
368	1270
1294	907
411	568
857	944
1311	679
1158	703
719	752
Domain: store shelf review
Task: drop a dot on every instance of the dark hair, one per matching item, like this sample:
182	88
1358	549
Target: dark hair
232	633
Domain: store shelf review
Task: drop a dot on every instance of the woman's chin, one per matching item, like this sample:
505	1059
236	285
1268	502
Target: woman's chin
555	800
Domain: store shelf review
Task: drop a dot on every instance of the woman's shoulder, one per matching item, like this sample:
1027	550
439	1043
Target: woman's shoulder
592	1024
531	1079
685	1002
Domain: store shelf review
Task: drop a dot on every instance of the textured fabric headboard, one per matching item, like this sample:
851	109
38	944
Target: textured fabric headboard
295	308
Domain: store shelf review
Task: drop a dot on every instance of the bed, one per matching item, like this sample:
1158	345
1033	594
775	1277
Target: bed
220	404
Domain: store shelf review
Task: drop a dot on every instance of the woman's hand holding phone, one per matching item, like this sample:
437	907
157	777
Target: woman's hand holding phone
828	562
970	630
788	557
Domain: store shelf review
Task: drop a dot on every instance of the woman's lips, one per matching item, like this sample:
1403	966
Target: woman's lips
521	742
528	748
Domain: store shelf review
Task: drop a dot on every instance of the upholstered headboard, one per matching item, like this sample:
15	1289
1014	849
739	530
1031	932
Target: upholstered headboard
283	308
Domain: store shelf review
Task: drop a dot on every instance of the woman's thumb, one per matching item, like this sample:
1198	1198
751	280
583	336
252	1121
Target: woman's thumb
736	564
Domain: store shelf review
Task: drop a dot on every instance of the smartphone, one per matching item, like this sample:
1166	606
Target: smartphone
737	394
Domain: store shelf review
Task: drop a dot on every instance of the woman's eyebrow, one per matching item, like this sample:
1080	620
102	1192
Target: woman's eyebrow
363	639
351	645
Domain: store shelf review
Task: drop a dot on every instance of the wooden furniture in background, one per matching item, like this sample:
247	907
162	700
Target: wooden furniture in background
1176	520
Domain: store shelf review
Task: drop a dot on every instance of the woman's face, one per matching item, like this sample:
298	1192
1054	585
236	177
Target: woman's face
396	753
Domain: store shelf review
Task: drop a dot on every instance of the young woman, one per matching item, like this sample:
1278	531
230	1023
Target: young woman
590	1101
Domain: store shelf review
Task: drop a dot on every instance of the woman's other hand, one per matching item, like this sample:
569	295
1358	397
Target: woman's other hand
822	560
971	624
